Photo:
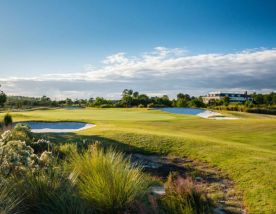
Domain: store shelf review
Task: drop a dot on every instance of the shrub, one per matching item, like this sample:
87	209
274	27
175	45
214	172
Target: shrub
22	132
41	145
106	106
183	197
141	106
150	105
17	158
108	180
7	120
22	127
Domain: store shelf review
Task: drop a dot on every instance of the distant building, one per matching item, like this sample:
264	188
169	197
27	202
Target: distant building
233	97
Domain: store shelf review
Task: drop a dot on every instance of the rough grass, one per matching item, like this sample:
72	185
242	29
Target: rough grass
49	192
9	201
107	179
184	197
245	149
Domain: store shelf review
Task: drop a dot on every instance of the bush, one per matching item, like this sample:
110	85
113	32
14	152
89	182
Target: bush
106	106
41	145
7	120
151	105
22	132
108	180
17	158
183	197
141	106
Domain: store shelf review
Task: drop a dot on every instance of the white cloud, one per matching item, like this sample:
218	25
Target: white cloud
163	69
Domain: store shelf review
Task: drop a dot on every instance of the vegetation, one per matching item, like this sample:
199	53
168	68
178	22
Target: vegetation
3	98
86	179
49	191
183	196
129	98
258	103
244	148
108	180
7	121
9	201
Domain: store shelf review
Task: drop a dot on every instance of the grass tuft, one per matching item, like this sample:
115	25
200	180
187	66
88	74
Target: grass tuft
107	179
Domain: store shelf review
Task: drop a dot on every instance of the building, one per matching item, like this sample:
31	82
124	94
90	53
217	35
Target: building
233	97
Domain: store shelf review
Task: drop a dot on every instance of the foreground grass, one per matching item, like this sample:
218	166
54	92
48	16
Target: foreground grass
245	149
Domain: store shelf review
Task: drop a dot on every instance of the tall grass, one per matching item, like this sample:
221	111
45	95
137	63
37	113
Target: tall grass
184	197
50	192
9	202
108	180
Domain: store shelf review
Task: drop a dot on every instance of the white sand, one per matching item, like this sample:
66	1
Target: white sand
215	115
206	114
158	190
87	126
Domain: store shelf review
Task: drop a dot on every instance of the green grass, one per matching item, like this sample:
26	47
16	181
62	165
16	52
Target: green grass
107	179
244	149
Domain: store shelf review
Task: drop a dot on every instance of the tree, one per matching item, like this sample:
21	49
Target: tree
3	98
182	100
127	97
143	99
183	96
68	101
181	103
7	121
196	102
274	98
136	94
226	100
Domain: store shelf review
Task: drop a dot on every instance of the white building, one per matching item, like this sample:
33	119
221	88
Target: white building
233	97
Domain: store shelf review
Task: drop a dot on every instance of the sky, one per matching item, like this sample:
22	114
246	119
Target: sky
82	49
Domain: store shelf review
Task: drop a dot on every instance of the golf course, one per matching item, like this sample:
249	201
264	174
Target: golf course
243	149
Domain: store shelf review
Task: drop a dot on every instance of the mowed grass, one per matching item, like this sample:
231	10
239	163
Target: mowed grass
245	149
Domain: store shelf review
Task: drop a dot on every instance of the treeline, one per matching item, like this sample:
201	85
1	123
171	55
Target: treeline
130	98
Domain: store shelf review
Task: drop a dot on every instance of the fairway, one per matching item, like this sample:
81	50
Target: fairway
244	149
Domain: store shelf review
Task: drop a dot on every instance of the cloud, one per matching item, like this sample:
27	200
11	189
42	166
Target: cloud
162	70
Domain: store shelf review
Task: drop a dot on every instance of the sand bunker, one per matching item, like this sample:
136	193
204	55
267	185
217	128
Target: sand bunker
215	115
57	127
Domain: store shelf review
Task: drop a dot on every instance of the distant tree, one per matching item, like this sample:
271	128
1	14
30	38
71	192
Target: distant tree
3	98
181	103
7	121
186	97
127	97
68	101
182	100
267	99
258	98
196	102
274	98
143	99
248	104
226	100
135	94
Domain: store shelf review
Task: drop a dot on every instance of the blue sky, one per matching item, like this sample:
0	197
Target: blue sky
41	39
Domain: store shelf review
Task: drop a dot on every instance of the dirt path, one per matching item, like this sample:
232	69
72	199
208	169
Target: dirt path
217	187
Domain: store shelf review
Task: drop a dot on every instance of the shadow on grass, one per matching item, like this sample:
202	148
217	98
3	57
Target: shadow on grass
85	141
